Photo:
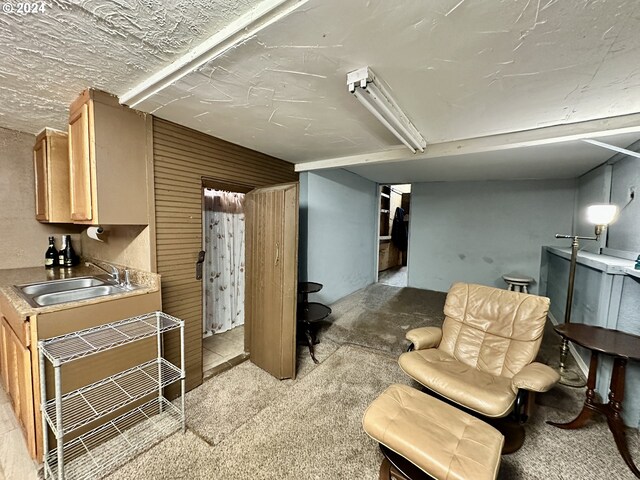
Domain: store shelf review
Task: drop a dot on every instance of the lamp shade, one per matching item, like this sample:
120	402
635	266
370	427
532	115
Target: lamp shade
601	214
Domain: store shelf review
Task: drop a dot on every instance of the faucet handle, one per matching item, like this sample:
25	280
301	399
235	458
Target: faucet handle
127	280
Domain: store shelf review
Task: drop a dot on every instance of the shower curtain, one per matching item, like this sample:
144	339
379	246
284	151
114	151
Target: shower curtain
224	261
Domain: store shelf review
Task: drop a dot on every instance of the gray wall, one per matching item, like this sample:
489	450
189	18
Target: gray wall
337	232
624	234
611	184
23	239
593	187
478	231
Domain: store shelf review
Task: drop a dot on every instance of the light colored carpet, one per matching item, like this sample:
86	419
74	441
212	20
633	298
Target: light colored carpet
311	429
243	424
380	315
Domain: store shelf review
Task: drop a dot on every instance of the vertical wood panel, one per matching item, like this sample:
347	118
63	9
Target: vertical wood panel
182	157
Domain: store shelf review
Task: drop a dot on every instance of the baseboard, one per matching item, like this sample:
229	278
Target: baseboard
572	349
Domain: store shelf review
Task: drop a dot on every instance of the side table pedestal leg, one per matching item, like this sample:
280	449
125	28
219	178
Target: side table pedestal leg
614	418
310	342
590	406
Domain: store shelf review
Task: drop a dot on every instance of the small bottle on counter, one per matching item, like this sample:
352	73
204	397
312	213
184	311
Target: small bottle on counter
61	252
51	255
70	257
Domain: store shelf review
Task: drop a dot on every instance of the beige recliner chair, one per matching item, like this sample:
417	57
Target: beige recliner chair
484	353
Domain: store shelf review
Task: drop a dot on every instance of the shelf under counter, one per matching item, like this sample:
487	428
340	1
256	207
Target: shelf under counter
90	403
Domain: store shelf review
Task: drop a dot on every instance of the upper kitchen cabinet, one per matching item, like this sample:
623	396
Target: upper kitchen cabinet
107	161
50	162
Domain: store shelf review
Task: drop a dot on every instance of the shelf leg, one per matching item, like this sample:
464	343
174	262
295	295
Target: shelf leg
184	375
159	356
59	434
43	401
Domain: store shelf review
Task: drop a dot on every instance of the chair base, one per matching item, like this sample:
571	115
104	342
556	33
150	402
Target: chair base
396	467
513	433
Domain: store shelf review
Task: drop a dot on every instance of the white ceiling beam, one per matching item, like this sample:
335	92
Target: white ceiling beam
264	14
602	127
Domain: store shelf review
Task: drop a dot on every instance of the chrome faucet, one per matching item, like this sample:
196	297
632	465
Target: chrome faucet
127	282
115	273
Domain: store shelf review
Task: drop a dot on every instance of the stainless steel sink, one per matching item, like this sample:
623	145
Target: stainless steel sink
78	294
70	290
61	285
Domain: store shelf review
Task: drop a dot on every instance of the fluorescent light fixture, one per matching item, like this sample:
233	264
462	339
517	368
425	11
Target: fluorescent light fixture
373	95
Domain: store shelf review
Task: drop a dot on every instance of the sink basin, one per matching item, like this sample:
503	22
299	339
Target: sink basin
43	294
61	285
78	294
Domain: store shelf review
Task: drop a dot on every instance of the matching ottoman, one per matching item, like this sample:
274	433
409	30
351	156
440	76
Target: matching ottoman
438	439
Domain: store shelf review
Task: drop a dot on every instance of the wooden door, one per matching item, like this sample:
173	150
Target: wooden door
80	164
271	277
42	179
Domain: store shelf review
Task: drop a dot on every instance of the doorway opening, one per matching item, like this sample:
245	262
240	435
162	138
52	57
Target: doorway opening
393	238
223	241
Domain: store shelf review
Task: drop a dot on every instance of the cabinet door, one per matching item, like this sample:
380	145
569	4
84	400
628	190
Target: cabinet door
42	180
4	355
80	164
20	386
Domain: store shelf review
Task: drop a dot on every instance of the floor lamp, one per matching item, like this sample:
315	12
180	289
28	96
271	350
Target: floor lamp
600	216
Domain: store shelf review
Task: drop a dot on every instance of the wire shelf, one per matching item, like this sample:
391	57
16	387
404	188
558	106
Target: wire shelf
72	346
102	450
94	401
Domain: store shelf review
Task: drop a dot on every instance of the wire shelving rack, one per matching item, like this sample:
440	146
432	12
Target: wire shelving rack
99	451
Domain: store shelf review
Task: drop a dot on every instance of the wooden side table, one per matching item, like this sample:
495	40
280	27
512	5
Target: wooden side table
310	312
622	347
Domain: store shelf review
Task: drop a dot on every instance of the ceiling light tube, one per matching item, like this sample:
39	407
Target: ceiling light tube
372	109
624	151
380	101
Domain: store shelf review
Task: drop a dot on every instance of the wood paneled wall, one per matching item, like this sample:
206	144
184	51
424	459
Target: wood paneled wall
182	158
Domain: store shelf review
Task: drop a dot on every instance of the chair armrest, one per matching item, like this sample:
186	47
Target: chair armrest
536	377
424	337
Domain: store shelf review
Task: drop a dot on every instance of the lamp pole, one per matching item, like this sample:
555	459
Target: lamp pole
569	377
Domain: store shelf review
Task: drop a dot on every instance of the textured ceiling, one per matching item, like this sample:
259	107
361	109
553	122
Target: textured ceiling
47	59
460	69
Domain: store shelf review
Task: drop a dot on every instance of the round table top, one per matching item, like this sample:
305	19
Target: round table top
603	340
309	287
515	277
312	312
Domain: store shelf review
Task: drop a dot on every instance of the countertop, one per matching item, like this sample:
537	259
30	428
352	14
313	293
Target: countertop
148	282
604	263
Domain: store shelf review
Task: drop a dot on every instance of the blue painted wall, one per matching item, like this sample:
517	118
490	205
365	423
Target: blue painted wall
478	231
338	245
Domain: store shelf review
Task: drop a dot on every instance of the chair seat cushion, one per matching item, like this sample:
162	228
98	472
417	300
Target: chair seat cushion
441	440
472	388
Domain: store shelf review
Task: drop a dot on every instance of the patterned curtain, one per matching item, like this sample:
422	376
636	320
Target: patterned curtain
224	260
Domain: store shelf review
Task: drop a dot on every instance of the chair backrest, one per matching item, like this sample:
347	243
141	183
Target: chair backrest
496	331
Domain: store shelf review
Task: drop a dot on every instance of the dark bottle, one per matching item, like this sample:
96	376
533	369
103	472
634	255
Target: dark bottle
61	252
51	255
70	258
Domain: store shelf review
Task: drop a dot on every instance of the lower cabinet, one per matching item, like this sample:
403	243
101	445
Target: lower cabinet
17	381
19	365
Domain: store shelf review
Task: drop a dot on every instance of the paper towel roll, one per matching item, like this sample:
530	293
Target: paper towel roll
95	232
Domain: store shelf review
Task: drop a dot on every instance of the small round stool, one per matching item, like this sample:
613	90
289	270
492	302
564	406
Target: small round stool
517	283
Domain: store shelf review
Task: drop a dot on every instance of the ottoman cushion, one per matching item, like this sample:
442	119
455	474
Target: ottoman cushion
441	440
